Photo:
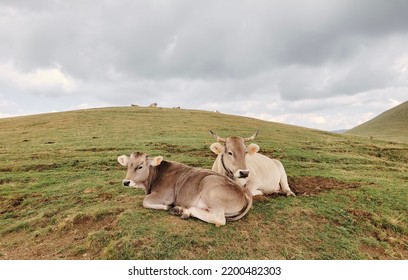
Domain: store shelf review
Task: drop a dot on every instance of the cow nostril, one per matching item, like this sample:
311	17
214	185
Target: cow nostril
126	183
243	174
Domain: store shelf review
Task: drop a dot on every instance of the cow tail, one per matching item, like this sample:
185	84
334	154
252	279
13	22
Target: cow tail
238	215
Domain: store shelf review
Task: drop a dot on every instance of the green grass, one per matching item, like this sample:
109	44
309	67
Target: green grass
61	195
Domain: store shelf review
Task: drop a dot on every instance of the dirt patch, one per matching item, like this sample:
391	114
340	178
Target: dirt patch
4	181
105	196
6	169
17	202
310	185
360	213
9	205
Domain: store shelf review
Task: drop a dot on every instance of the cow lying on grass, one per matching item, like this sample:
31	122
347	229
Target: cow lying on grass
258	173
186	191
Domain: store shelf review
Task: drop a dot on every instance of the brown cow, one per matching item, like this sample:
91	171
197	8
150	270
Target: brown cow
186	191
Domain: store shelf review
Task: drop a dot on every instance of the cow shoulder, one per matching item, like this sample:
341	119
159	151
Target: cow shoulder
258	164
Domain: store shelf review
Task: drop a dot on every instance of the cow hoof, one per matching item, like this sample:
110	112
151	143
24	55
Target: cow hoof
257	192
177	211
290	194
184	216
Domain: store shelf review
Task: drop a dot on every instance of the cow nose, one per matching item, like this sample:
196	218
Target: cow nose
126	183
243	173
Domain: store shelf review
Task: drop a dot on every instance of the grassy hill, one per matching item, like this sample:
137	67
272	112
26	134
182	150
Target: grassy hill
61	195
392	125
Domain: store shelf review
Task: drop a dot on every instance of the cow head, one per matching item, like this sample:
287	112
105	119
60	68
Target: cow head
232	152
138	169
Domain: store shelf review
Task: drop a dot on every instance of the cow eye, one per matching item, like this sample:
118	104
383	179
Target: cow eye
140	167
230	153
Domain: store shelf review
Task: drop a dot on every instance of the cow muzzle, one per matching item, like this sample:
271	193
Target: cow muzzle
128	183
243	173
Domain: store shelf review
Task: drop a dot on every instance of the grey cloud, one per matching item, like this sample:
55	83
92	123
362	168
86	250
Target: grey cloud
211	39
207	52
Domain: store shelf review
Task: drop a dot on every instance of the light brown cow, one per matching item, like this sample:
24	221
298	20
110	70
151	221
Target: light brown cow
186	191
258	173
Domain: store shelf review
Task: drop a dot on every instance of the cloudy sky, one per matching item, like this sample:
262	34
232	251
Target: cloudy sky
315	63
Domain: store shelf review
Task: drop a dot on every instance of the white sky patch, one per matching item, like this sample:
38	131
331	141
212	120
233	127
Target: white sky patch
84	106
366	117
41	80
210	106
306	120
394	102
401	64
49	78
171	46
5	115
91	105
318	120
6	103
328	120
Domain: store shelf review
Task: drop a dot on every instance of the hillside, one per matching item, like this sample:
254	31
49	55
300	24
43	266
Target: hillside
392	125
61	195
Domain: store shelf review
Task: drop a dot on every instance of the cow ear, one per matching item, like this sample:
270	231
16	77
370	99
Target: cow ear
217	148
252	149
156	161
123	160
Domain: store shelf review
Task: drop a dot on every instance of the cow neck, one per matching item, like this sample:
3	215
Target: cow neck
229	172
155	173
151	179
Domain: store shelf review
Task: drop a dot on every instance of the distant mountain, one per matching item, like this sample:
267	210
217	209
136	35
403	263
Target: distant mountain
392	125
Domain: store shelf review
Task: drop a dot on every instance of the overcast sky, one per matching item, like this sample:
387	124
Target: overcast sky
319	64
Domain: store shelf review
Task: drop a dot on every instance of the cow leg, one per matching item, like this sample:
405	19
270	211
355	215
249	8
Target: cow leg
206	215
155	201
179	211
253	188
212	216
285	185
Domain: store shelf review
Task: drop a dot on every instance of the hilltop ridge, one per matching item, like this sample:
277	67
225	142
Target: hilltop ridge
391	125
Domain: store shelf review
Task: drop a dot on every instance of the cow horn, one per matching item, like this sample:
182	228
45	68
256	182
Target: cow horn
219	139
252	137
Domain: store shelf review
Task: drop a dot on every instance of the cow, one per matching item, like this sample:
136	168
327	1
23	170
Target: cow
258	173
186	191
